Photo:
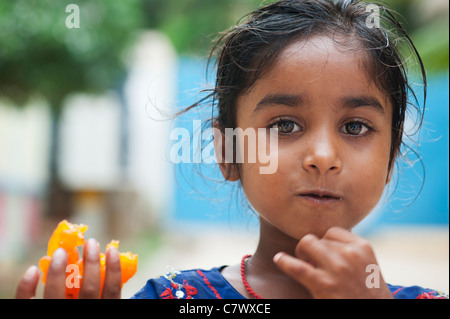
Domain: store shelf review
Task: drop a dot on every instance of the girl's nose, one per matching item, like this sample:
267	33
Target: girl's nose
322	156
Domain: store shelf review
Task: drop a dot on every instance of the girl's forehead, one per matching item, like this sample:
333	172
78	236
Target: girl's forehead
318	58
322	50
319	67
335	60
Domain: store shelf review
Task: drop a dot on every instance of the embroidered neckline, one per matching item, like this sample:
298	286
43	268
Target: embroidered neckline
177	290
206	281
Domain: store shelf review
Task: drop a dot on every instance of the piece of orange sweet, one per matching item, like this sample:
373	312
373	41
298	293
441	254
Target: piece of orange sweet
69	237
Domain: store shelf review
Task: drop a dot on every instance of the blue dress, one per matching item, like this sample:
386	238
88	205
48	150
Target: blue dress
210	284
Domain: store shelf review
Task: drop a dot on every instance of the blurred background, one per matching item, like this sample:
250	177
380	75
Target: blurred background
85	87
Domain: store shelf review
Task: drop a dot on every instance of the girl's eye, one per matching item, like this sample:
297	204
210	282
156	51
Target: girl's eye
356	128
285	126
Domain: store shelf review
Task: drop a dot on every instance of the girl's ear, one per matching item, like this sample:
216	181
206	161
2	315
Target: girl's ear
229	170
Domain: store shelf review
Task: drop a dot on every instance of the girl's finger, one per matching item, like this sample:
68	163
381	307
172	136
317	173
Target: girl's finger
298	269
352	246
341	235
55	286
317	251
113	276
27	285
90	285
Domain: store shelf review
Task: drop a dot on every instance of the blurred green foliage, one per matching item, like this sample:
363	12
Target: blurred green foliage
427	22
432	41
192	24
38	53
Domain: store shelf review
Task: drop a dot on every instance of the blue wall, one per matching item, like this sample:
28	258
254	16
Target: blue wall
432	204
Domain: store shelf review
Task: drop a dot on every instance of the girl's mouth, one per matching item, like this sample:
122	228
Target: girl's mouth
321	197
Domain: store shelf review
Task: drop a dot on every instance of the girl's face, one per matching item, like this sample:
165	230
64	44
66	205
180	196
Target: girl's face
334	135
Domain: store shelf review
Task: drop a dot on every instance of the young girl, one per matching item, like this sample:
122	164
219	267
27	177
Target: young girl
328	77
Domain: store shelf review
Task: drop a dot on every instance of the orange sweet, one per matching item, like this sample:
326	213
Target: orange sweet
69	237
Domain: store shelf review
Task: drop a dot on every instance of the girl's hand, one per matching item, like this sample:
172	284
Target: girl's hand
335	266
90	284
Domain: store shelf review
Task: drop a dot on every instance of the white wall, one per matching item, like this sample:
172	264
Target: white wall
150	87
24	171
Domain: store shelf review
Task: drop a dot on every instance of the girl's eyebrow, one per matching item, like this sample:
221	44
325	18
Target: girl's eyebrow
297	100
358	101
278	99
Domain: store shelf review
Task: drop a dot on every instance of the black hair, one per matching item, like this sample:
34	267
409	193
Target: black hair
244	53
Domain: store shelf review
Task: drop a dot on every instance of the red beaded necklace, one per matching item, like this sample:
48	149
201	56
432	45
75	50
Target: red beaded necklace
244	279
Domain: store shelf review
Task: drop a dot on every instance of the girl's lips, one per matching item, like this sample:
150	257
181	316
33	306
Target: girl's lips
321	200
321	197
